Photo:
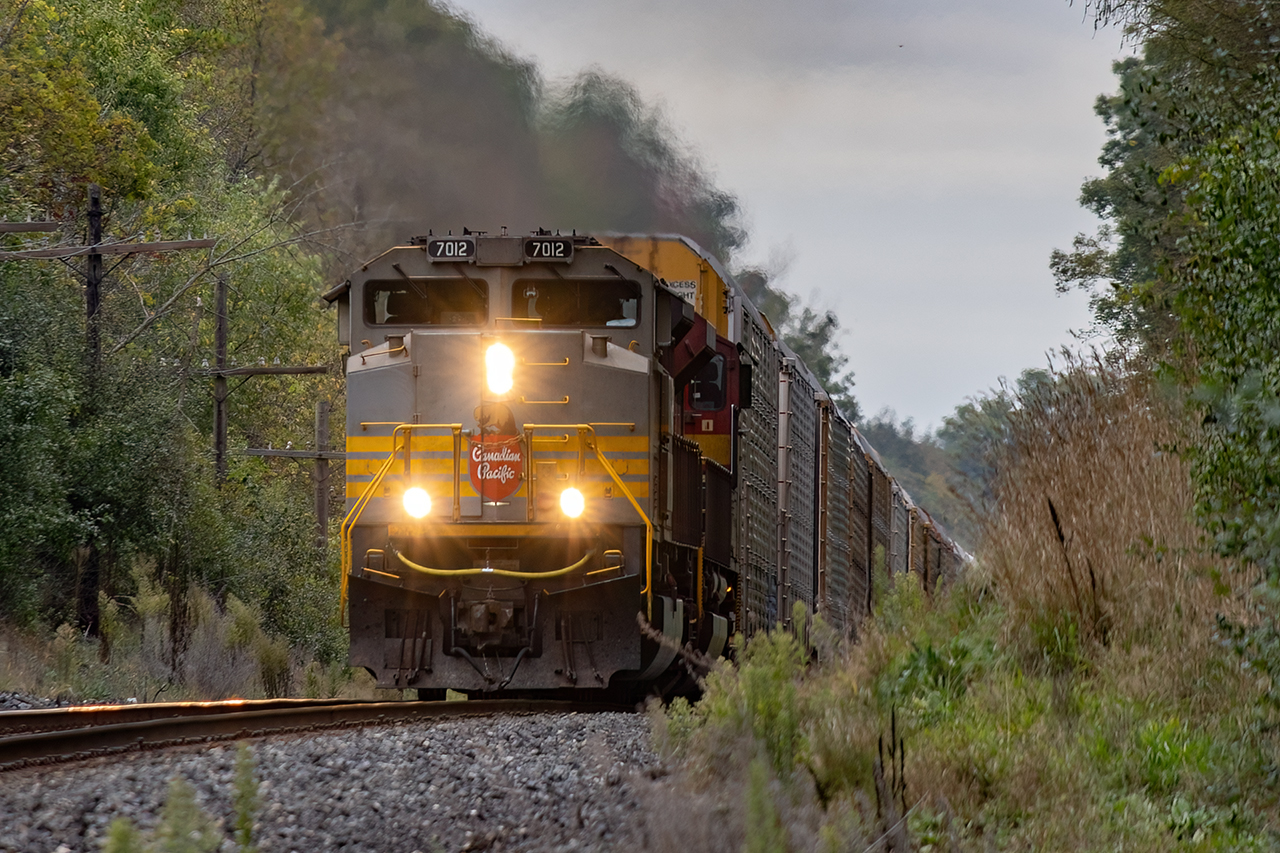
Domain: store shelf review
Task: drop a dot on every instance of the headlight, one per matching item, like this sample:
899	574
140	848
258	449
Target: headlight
572	503
499	364
417	502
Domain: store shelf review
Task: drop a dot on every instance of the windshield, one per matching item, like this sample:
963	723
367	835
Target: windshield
706	389
426	302
613	302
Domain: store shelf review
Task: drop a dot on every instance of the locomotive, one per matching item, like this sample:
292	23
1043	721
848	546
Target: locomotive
568	457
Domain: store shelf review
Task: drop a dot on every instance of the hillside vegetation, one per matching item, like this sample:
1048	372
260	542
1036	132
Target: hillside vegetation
1104	675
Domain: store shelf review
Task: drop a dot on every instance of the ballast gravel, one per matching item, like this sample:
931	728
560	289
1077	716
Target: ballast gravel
22	702
559	782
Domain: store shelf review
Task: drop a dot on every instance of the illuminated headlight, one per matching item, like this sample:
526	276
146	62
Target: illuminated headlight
417	502
499	364
572	503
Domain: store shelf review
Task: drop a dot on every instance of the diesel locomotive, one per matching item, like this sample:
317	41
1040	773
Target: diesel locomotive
555	442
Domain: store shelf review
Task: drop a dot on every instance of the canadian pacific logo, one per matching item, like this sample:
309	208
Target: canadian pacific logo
495	461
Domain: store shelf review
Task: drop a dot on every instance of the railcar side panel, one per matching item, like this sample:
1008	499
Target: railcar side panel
860	544
797	488
835	561
756	505
881	514
900	531
919	563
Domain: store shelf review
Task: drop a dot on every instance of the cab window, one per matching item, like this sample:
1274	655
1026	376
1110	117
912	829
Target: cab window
707	388
611	302
426	302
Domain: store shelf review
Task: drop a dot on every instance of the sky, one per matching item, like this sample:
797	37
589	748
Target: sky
909	164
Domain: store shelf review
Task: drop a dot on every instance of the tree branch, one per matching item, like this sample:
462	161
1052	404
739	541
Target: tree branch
17	18
220	261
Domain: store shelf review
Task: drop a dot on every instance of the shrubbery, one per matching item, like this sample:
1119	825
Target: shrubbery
1072	691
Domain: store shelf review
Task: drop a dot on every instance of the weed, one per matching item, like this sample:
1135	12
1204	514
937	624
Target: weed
1164	751
765	833
185	827
123	837
245	799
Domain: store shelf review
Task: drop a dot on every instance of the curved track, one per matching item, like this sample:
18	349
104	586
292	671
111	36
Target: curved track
69	734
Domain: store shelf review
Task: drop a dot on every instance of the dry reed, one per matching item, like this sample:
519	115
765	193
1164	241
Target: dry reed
1094	540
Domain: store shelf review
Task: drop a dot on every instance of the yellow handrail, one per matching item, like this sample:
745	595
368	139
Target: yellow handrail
506	573
587	429
350	521
358	508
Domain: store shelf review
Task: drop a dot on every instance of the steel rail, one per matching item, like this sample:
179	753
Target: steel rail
36	720
97	739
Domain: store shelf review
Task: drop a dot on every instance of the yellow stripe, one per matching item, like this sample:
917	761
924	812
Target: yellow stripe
639	488
608	443
382	443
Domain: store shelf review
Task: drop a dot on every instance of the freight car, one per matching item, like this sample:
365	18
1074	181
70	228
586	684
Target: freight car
549	434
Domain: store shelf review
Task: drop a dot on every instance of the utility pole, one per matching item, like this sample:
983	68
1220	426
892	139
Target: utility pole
93	282
220	380
93	273
321	474
220	372
322	455
88	580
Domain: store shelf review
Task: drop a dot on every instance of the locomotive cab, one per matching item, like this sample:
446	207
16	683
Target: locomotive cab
511	469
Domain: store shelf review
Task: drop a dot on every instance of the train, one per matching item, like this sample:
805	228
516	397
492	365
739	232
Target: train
571	457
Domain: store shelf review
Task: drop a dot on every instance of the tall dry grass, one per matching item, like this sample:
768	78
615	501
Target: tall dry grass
1094	541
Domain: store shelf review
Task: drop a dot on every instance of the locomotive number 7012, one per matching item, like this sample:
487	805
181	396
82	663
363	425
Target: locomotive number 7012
549	249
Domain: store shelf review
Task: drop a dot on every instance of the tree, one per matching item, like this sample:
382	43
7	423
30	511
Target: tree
811	333
1194	196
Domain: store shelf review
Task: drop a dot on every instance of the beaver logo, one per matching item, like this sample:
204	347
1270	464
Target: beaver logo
495	461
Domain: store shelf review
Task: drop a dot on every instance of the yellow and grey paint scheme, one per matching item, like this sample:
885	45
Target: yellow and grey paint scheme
511	593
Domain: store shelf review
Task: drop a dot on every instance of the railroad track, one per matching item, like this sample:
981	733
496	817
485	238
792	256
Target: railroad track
57	735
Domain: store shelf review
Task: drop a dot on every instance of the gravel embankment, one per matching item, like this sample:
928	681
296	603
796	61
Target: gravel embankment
537	783
23	702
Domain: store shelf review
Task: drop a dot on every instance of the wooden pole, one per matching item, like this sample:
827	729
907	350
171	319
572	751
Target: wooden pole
220	381
93	280
321	474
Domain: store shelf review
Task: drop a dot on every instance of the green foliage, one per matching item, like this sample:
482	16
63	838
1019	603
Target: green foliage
57	133
760	698
114	469
1193	195
245	799
1165	749
765	832
810	332
1055	639
931	680
1153	748
515	151
184	826
123	837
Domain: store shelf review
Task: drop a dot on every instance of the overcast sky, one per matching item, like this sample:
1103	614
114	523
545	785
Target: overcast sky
911	162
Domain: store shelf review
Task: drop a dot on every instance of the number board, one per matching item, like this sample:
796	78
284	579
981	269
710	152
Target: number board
549	249
451	249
